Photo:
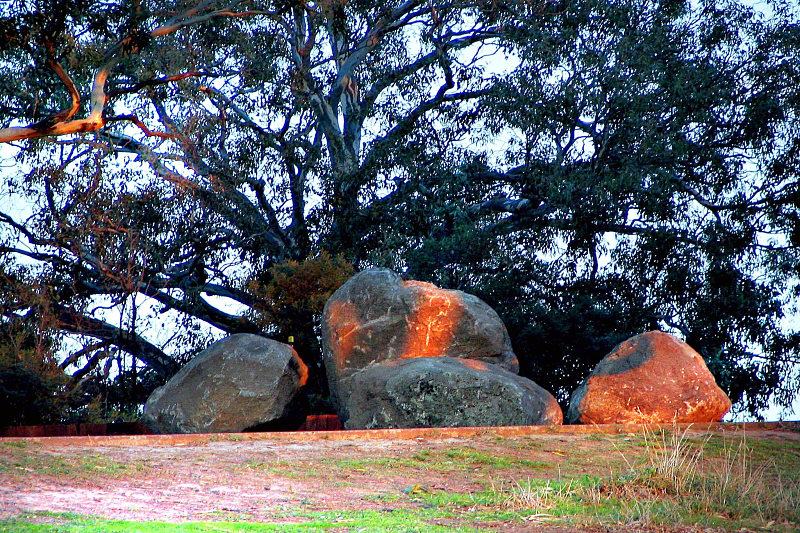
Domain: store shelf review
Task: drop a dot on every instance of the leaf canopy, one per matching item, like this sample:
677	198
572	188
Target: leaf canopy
592	169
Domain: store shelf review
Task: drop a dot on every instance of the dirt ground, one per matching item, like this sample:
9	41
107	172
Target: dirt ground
275	477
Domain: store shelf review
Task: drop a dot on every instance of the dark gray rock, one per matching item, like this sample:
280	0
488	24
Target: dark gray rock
376	317
241	382
444	392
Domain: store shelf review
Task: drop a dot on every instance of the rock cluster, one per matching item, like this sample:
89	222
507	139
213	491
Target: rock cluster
409	354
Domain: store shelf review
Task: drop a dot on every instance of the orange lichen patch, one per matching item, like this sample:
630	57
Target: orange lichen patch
343	320
475	365
433	325
302	369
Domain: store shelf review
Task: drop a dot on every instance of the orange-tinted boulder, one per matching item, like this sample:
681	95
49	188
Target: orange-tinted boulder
376	317
650	378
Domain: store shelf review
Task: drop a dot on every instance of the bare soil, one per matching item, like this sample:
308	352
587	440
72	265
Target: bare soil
276	477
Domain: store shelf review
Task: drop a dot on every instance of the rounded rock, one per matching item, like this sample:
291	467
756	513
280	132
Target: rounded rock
241	382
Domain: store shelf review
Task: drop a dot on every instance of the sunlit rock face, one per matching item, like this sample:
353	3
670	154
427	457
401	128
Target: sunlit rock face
650	378
445	392
376	318
242	382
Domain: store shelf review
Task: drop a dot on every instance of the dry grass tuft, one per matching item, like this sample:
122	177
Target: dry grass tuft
674	478
673	461
729	483
531	494
734	484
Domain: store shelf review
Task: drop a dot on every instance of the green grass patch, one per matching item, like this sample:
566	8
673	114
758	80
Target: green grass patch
449	460
783	453
81	466
369	465
362	521
280	468
16	444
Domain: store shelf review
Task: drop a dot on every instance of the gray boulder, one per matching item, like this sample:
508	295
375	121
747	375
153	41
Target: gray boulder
444	392
242	382
376	317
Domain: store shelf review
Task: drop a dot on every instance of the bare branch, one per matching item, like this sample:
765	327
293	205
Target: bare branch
91	123
138	123
60	124
158	81
502	204
200	308
75	97
75	356
71	321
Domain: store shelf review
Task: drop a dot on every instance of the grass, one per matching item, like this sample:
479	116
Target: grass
457	459
654	479
20	462
673	479
450	460
280	468
361	521
738	485
679	479
19	444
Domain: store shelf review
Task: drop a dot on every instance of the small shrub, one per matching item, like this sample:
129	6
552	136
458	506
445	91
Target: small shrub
294	291
32	386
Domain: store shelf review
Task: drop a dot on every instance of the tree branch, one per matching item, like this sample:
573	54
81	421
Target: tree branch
199	308
157	81
61	125
75	97
147	131
242	114
93	122
70	321
404	126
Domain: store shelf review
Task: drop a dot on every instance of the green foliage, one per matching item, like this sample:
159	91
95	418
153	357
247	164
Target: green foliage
32	386
290	298
637	143
372	521
34	389
292	294
591	169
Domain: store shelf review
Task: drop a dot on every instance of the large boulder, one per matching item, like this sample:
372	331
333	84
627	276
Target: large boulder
445	392
241	382
376	317
650	378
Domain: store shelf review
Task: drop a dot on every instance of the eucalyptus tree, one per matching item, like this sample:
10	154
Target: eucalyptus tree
593	169
180	151
650	181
